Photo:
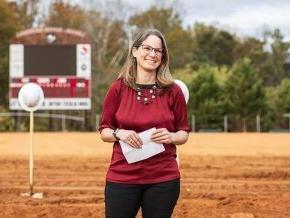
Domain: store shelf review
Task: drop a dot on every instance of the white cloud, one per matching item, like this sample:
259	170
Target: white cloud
246	18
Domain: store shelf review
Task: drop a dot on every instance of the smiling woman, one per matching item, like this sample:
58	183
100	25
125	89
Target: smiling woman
148	58
149	50
144	97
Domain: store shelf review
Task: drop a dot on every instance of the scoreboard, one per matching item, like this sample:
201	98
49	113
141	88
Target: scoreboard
62	70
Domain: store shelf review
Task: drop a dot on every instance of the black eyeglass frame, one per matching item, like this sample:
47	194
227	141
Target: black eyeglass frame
156	50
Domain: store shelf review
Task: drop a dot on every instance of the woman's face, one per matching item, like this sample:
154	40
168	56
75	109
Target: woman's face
149	54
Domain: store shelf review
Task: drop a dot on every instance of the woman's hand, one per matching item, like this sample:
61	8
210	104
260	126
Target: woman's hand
130	137
162	136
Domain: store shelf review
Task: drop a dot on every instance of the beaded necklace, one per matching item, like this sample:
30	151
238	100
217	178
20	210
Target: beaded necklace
146	94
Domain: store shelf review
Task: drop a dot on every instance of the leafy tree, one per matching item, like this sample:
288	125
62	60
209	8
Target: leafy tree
268	65
252	49
283	93
181	46
282	102
27	13
66	16
162	19
184	74
272	66
108	39
279	52
206	98
213	45
8	28
244	93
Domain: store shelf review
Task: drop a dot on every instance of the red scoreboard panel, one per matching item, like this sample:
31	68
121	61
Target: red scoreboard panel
63	72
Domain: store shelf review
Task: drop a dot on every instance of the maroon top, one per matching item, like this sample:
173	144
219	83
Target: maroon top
121	109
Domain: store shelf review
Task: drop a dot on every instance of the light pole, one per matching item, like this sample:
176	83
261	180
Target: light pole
288	115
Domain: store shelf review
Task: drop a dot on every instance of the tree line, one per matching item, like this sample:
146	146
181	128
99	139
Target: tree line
227	75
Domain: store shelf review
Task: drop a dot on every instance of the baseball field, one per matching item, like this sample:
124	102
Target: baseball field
234	175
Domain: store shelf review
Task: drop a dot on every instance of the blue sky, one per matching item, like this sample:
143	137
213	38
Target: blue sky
243	17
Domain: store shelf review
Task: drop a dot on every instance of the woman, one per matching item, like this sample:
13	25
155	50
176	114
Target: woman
143	97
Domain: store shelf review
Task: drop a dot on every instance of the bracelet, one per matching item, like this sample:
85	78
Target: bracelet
115	134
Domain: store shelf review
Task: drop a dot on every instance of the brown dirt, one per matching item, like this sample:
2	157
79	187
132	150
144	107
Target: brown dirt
223	175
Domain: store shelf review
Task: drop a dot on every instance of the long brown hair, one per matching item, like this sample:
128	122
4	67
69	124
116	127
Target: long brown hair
129	70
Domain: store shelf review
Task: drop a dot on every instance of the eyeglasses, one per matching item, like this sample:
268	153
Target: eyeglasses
147	49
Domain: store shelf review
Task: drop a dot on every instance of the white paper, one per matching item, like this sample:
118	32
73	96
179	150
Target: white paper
149	148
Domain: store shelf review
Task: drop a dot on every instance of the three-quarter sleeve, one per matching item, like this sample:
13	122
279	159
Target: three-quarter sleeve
110	106
180	110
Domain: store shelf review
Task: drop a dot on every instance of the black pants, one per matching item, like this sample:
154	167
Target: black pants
156	200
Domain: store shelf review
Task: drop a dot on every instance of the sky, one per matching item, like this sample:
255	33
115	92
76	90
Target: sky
243	17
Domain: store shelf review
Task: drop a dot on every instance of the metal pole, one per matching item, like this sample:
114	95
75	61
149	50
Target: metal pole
225	123
288	115
63	122
258	124
193	123
97	121
31	154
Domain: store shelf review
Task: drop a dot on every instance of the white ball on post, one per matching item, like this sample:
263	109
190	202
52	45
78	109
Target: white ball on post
31	98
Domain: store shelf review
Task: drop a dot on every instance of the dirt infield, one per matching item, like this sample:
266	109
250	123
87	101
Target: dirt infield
223	175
